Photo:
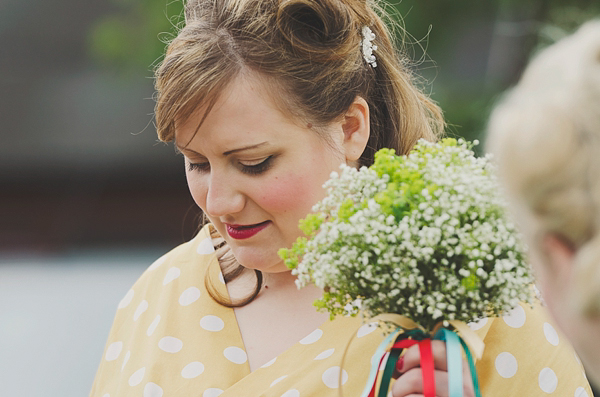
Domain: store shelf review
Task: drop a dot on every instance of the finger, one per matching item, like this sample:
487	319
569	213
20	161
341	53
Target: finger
411	384
469	390
412	357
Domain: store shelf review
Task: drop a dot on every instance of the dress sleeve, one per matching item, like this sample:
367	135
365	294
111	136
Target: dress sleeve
526	355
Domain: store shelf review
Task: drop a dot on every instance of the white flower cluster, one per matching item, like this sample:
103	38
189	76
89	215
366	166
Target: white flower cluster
453	256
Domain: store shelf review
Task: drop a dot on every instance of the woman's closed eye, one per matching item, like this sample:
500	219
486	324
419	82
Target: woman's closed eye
256	167
247	167
200	167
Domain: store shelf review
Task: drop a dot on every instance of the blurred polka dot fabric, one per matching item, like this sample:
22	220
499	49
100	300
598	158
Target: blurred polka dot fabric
169	338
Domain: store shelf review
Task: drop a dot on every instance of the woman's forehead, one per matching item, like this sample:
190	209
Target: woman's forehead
246	106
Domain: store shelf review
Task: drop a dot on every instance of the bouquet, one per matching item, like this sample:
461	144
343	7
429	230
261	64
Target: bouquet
423	235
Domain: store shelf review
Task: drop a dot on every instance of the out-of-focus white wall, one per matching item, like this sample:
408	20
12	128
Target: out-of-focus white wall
55	316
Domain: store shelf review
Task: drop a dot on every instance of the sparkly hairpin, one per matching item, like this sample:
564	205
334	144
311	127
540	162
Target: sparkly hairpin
368	47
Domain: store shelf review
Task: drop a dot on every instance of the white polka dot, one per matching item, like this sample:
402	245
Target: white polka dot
366	329
326	354
152	390
113	351
551	335
577	358
192	370
157	263
142	307
170	344
291	393
126	299
212	323
515	318
125	360
171	275
137	377
212	392
580	392
221	278
205	247
547	380
235	355
269	363
312	337
506	365
153	326
189	296
276	381
106	395
331	377
478	324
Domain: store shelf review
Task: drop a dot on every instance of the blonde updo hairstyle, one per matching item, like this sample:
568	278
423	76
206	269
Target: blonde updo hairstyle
545	136
309	52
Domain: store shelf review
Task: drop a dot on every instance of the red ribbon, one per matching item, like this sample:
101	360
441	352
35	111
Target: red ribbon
427	365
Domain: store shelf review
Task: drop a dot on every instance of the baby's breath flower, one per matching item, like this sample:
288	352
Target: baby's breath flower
423	235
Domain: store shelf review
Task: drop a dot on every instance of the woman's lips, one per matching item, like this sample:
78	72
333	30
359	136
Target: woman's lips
241	232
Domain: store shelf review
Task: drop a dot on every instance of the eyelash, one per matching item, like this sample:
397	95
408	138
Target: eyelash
255	169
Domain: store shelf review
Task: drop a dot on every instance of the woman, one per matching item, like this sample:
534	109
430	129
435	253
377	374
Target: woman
265	99
546	137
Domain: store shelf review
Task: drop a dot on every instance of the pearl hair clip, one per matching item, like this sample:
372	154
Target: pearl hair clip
368	47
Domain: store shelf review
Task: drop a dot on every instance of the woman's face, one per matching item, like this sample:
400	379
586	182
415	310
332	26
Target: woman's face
255	172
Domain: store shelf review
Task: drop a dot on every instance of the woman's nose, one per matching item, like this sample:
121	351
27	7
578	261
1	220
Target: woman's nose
223	197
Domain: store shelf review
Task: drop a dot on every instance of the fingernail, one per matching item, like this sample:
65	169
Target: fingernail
400	364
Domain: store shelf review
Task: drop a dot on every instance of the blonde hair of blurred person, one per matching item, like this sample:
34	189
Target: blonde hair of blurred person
545	136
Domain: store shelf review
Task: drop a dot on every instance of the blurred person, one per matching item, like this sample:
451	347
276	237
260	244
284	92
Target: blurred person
545	136
264	99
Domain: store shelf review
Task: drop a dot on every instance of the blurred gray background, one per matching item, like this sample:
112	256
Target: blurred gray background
89	198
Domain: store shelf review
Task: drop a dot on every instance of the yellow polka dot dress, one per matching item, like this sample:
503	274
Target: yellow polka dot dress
169	338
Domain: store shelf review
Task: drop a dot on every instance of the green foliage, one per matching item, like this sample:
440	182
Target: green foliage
291	257
471	282
311	224
347	209
132	39
442	38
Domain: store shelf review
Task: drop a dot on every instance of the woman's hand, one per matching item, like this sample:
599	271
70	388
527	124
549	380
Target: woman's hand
410	380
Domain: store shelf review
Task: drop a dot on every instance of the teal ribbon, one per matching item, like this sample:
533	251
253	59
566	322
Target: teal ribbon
454	360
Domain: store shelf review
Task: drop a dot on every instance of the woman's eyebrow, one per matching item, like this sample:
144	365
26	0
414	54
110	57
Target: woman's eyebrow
227	153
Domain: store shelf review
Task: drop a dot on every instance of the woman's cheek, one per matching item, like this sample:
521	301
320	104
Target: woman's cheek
196	189
291	193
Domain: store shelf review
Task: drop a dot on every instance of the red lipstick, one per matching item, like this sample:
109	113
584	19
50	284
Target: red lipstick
241	232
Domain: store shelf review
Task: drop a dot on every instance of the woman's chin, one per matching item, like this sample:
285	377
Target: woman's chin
257	260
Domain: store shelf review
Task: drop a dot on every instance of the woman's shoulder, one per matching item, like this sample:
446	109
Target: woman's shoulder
525	354
161	312
176	278
194	255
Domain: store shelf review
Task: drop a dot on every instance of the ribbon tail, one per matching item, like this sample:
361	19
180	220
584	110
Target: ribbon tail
369	390
472	369
454	360
388	372
454	357
427	368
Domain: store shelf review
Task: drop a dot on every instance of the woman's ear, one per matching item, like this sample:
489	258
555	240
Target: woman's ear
560	255
355	126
